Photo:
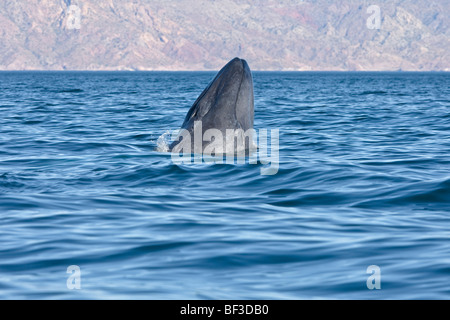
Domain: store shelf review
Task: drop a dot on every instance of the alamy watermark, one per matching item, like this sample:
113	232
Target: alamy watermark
237	145
374	20
73	17
374	280
74	280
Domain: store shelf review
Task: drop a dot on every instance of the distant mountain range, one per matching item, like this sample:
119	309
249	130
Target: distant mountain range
205	34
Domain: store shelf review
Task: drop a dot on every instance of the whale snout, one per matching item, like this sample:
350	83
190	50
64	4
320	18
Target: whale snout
239	65
226	103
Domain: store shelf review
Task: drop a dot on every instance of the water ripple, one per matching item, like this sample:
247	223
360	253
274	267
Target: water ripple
363	180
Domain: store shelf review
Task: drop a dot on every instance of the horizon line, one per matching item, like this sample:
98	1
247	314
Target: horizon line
215	70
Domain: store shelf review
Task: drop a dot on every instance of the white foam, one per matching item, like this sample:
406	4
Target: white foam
163	142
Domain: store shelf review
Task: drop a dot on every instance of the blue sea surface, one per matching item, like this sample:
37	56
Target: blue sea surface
363	179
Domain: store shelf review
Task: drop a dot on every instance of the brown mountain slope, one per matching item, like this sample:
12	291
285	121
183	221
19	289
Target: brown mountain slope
204	34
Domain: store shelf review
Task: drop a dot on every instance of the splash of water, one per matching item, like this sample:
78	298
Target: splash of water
163	142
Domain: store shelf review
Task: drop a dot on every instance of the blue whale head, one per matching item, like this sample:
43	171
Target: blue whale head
226	103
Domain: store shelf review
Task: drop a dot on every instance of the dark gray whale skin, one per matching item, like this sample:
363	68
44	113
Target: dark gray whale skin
226	103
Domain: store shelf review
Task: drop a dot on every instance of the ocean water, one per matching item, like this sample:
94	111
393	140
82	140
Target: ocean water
363	180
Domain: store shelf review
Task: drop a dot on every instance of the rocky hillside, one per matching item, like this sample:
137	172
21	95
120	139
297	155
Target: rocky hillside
204	34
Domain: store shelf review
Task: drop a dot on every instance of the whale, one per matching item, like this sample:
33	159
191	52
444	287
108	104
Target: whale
224	108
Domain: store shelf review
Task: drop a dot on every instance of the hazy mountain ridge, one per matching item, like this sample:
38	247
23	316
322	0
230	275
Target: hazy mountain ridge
203	35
